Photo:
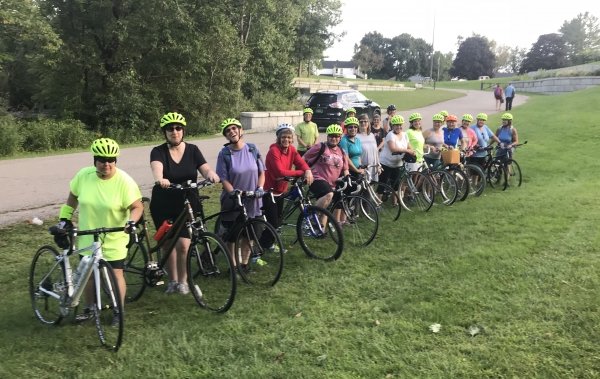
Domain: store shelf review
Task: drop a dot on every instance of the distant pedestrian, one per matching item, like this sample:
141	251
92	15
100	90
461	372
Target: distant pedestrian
509	93
499	96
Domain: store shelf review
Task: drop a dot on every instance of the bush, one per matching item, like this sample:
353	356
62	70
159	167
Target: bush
10	136
50	135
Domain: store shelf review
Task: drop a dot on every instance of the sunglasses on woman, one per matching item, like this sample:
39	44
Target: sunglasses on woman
106	159
172	128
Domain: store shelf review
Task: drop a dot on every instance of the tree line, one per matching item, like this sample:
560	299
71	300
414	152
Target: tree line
118	65
400	57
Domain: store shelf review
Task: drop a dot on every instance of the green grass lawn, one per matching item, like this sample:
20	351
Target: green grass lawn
519	269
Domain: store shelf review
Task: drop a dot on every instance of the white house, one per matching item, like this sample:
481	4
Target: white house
343	69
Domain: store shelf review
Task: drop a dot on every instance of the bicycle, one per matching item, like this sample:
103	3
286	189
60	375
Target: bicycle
382	195
315	228
444	183
257	247
415	190
55	289
513	177
211	277
473	172
357	215
501	170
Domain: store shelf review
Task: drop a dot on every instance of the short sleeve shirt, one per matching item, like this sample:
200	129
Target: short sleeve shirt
104	203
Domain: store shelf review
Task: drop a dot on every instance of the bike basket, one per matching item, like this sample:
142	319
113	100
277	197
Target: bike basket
451	157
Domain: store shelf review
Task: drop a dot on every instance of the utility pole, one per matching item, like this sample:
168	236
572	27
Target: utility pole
432	48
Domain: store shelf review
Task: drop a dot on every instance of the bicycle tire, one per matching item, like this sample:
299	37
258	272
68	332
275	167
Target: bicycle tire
513	174
287	230
390	207
462	182
108	309
134	269
446	188
211	276
264	264
477	179
47	273
495	175
325	242
362	221
418	196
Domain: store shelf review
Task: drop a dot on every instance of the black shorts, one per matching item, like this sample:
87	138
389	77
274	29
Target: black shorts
480	161
320	188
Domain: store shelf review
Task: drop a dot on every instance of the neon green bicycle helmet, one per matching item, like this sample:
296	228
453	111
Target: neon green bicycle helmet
230	121
444	113
467	117
482	116
307	110
507	116
334	129
172	118
105	147
438	117
351	121
397	120
414	116
350	110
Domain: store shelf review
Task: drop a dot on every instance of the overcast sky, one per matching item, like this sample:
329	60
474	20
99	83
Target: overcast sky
508	22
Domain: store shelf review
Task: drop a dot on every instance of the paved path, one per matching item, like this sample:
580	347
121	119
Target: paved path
36	187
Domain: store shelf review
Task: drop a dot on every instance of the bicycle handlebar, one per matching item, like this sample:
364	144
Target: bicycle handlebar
190	185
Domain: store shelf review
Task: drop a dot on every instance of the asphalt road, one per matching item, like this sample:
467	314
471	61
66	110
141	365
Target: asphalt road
36	187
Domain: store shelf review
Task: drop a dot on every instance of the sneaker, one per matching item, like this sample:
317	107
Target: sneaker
183	288
275	249
86	315
171	287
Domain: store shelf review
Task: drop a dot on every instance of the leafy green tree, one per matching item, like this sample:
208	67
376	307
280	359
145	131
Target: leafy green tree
313	31
549	52
581	36
474	58
371	55
27	46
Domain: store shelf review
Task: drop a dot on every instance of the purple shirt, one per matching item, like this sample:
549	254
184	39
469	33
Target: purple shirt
243	175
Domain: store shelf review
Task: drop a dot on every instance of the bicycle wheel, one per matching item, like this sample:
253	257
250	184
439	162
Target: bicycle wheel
416	192
257	263
495	175
360	219
476	179
446	189
211	276
319	234
287	230
513	174
134	270
462	183
388	203
47	285
108	310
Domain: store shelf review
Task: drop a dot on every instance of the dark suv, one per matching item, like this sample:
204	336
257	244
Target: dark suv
329	107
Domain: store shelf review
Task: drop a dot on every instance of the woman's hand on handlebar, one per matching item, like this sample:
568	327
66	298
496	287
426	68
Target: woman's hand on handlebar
308	176
163	183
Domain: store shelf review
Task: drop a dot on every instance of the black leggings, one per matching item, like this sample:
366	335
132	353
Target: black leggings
390	176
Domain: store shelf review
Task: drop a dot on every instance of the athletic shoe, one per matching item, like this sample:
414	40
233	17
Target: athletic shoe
171	287
183	288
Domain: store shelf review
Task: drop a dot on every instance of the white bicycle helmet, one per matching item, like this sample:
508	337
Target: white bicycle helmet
284	126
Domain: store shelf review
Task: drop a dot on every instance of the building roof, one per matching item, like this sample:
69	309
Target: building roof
338	64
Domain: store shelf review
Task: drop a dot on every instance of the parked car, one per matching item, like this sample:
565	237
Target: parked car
329	107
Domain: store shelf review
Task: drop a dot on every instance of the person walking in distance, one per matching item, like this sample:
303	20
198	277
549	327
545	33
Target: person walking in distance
499	96
509	94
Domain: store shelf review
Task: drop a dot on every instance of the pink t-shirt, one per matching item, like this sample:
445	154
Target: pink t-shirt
330	165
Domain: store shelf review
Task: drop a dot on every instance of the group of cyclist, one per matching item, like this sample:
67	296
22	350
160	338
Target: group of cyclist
107	196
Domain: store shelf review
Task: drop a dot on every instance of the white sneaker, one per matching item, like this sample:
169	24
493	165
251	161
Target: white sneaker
183	288
172	287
